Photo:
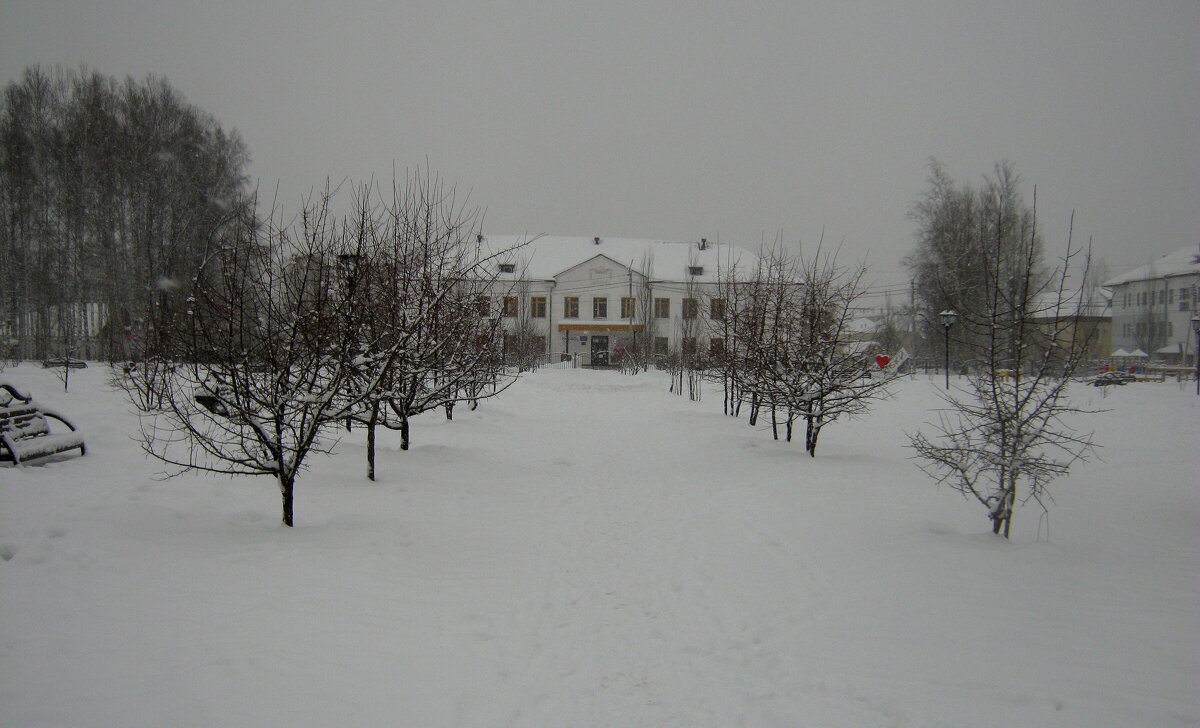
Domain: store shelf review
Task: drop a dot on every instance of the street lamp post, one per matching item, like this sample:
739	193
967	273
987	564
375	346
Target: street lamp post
948	316
1196	361
191	315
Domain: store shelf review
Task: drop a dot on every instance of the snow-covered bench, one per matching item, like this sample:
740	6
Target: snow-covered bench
24	432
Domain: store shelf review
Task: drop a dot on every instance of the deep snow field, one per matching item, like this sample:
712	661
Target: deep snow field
589	550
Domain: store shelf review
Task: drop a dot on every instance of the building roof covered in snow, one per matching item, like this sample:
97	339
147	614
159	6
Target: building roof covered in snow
543	257
1182	262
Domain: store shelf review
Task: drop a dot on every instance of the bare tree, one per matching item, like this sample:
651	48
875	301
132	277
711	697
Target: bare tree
1007	435
248	377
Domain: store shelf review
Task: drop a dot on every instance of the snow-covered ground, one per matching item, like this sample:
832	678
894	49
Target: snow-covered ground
589	550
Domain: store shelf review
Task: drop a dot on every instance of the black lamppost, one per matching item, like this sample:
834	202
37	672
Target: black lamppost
191	314
1196	331
948	317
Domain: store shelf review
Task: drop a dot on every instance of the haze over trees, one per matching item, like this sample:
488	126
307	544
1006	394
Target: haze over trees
963	233
110	193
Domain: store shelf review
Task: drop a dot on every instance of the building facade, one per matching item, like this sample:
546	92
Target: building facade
590	299
1152	306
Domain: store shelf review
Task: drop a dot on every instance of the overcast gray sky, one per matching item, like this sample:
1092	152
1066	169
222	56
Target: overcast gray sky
676	120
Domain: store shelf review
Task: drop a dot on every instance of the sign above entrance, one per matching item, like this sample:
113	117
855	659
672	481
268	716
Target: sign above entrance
599	327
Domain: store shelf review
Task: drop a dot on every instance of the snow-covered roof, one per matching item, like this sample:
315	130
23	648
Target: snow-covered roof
1181	262
862	325
544	257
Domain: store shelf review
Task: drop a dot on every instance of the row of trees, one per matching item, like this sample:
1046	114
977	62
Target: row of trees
295	329
110	193
781	343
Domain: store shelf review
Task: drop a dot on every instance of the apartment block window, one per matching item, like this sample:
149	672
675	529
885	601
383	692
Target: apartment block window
537	307
691	308
662	308
507	267
716	346
483	306
689	346
599	307
695	270
716	309
510	306
628	307
660	346
571	307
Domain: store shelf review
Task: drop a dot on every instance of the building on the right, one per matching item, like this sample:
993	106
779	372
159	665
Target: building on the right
1152	307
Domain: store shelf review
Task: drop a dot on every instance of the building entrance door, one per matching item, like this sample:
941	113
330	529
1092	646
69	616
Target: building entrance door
599	351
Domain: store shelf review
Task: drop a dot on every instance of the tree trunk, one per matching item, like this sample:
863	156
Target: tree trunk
811	433
286	486
404	432
450	410
371	422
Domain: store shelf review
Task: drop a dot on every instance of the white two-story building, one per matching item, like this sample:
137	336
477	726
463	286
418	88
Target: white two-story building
1152	306
590	298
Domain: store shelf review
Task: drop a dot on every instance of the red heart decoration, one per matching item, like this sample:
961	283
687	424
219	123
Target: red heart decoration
882	360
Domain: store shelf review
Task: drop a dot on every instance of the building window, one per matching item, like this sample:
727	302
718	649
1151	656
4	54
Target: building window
689	346
628	307
571	307
660	346
716	346
599	307
507	267
483	306
537	307
695	270
662	308
691	308
716	309
510	306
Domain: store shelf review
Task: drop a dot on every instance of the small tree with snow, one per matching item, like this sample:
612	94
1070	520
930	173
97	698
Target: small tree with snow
1006	435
